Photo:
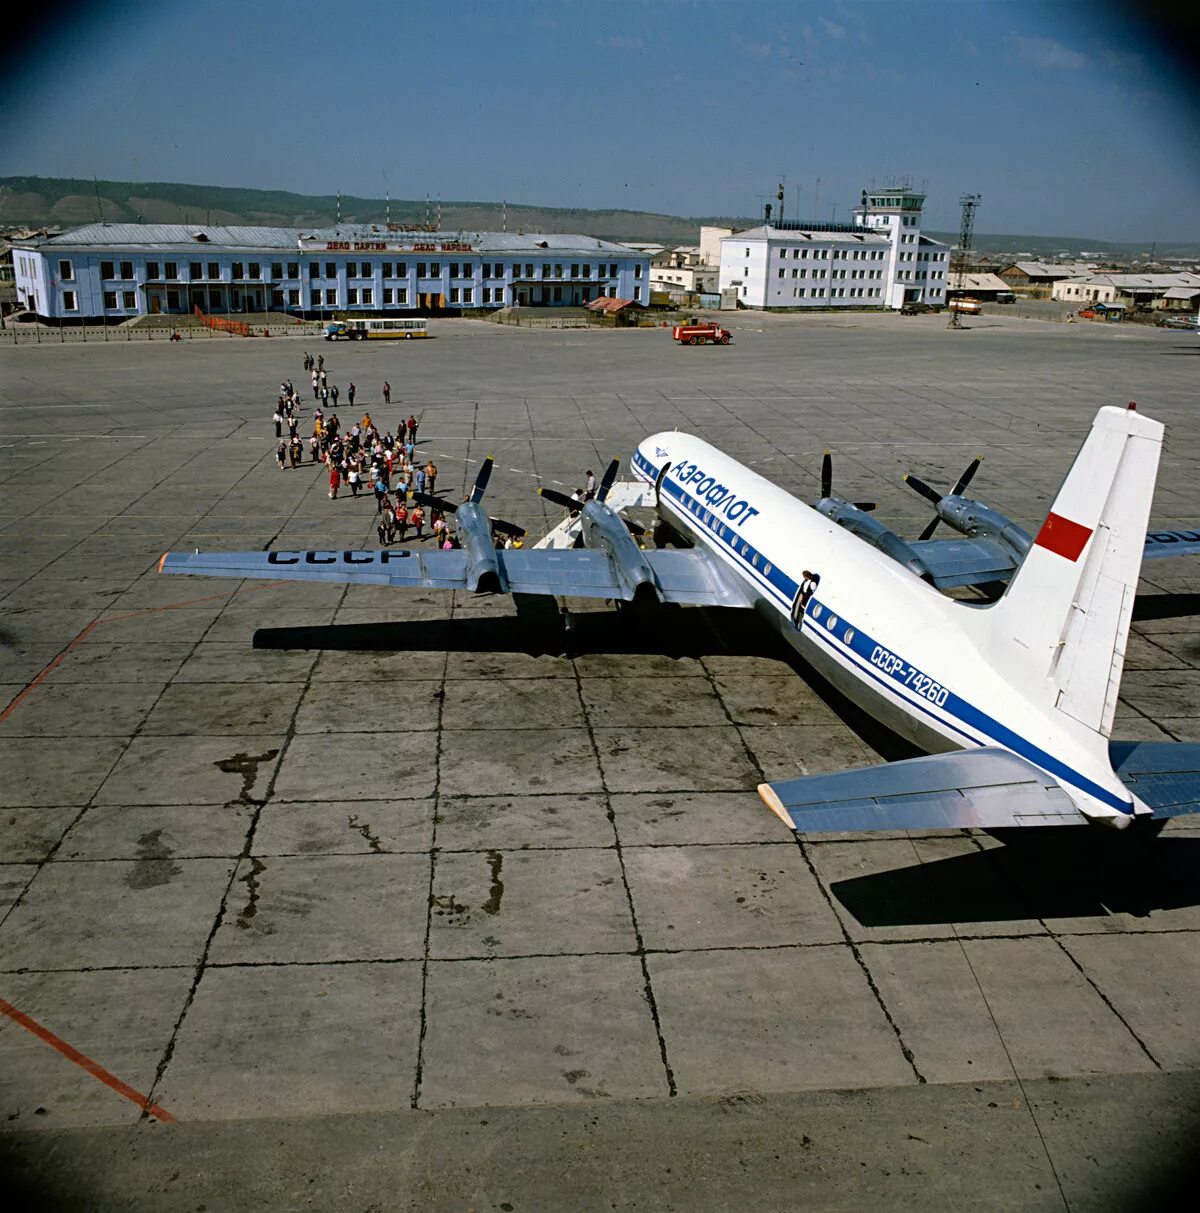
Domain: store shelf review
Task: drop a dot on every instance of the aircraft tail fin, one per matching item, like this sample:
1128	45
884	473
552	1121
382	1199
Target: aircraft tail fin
1065	615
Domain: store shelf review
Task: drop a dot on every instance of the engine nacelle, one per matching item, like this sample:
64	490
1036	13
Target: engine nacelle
475	534
603	529
860	523
973	519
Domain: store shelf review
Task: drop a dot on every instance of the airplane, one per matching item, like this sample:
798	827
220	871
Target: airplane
1010	695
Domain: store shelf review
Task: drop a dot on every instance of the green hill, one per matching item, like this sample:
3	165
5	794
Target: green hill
68	202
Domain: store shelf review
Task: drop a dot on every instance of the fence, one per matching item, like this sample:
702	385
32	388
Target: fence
237	327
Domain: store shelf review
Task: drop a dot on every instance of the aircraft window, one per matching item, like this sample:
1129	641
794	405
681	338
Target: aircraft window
831	622
816	611
849	635
755	561
767	570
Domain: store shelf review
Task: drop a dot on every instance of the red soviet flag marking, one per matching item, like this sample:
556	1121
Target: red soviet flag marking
1062	536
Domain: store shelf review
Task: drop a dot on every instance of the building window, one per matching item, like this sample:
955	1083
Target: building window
171	271
612	270
387	295
106	272
637	293
468	293
352	296
214	300
127	270
68	301
314	297
637	271
747	254
235	270
195	270
330	269
331	298
487	294
454	294
129	300
782	272
402	295
421	268
574	269
65	271
293	298
366	269
454	268
293	270
587	271
435	269
314	269
387	269
351	269
401	269
110	299
172	299
546	270
368	297
276	270
255	270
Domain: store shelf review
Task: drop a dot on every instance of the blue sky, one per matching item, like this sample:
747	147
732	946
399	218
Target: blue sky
1053	112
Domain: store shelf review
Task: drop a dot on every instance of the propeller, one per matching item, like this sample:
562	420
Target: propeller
935	498
827	484
476	496
606	483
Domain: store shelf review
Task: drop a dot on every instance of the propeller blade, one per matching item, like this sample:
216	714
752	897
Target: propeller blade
967	476
827	475
606	483
508	528
865	506
919	486
481	480
567	503
927	533
437	503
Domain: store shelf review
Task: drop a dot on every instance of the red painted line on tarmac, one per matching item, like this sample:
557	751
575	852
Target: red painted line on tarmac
53	663
94	1068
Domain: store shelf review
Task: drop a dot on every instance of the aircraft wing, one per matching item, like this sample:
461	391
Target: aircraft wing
956	562
1171	543
959	562
689	576
985	789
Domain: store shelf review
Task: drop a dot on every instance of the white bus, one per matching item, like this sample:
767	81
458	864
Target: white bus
362	330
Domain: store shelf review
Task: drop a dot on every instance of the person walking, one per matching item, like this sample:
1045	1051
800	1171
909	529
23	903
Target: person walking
590	488
401	519
387	392
278	419
431	476
385	528
320	362
353	477
316	384
281	455
421	480
293	422
335	479
350	391
333	395
307	360
412	429
324	375
417	518
296	451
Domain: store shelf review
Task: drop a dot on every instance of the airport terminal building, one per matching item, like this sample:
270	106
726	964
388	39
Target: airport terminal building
880	260
114	272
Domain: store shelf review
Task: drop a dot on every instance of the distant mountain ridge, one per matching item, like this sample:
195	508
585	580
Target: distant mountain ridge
71	202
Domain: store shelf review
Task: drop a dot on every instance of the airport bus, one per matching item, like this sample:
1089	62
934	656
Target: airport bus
362	330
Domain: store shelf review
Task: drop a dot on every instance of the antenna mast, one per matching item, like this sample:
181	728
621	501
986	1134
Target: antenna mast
962	254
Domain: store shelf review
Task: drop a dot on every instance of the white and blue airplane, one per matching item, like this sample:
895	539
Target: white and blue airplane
1011	697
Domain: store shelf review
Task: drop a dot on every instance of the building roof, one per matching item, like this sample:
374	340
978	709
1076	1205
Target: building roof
1142	282
1182	292
928	240
977	282
217	238
833	232
611	306
1039	269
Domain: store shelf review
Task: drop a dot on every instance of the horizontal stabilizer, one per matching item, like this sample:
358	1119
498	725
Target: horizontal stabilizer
983	789
1164	774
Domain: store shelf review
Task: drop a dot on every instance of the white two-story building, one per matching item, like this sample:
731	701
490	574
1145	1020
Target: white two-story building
880	260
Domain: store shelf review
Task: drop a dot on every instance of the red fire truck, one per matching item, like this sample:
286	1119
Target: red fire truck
698	334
